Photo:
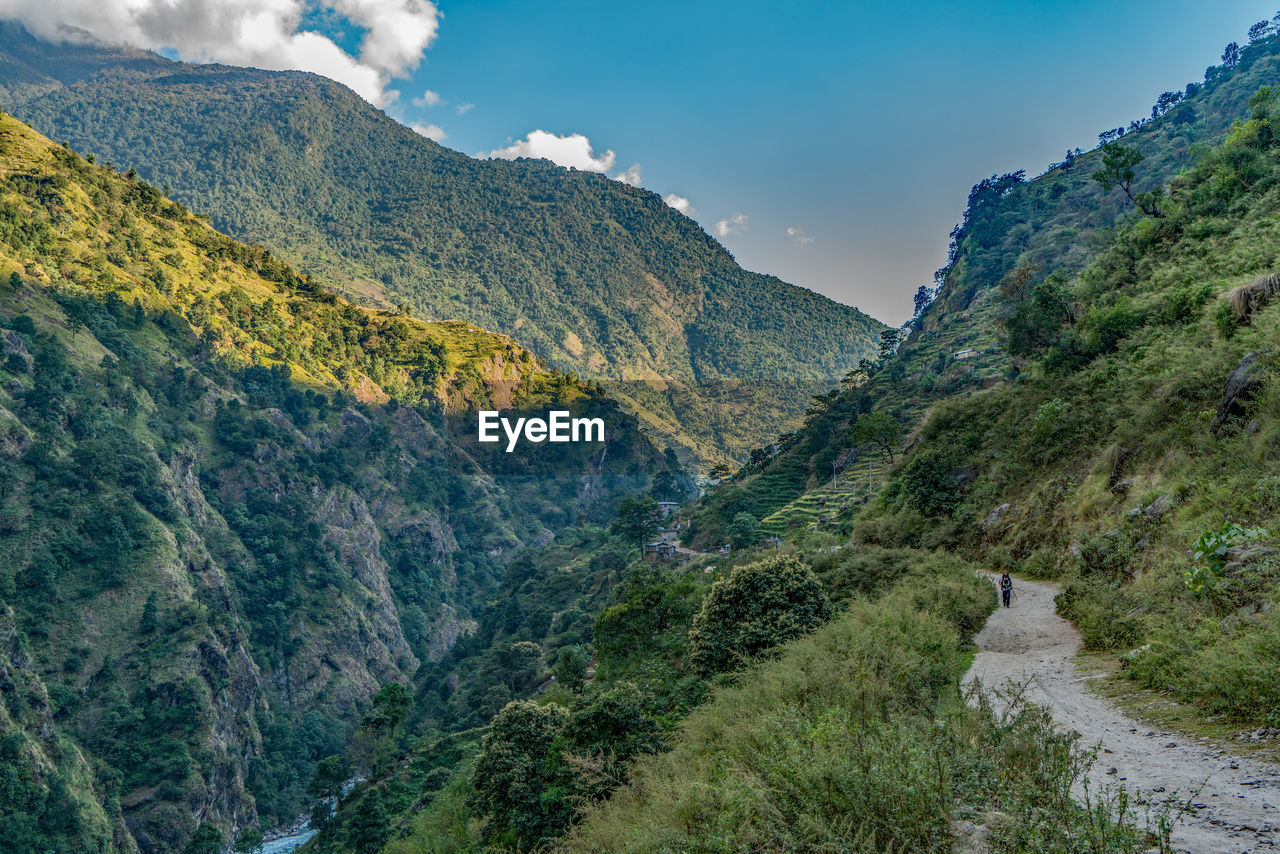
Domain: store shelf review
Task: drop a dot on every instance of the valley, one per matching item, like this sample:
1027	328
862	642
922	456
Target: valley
456	504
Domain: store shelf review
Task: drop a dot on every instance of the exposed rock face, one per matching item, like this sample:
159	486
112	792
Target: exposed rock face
997	513
1243	384
14	346
347	659
448	629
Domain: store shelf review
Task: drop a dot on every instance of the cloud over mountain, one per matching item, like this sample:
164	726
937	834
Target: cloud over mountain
573	151
261	33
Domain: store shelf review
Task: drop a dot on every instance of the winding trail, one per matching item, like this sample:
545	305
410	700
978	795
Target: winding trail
1236	800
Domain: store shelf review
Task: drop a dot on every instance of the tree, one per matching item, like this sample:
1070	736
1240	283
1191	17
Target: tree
1033	314
759	606
929	483
329	775
923	297
637	520
147	623
607	729
250	841
1118	162
376	740
390	707
744	530
570	668
515	782
889	343
369	827
1231	55
206	840
1259	31
1166	102
880	429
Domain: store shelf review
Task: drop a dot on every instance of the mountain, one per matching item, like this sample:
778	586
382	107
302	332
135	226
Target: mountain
1055	223
596	277
1113	423
234	507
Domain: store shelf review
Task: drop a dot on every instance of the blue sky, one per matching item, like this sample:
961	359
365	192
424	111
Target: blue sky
831	144
862	125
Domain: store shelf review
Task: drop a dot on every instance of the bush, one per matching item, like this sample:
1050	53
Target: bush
929	484
857	740
759	606
513	781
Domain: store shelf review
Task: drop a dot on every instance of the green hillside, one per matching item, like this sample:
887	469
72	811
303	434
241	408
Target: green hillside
595	276
1056	223
233	507
1117	424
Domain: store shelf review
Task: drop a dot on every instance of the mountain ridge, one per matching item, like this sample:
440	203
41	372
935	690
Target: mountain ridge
597	277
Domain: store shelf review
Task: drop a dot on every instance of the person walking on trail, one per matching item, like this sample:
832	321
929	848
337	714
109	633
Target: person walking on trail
1006	588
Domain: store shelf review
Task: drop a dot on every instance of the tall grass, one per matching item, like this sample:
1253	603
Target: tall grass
856	738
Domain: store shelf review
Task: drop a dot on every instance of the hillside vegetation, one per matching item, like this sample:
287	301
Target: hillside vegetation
595	276
1119	427
234	507
1056	223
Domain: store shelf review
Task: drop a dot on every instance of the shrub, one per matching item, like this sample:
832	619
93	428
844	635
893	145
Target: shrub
513	781
759	606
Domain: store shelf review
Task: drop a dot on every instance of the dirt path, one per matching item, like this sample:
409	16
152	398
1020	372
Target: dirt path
1236	808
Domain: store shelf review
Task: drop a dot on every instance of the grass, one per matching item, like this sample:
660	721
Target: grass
1159	711
857	739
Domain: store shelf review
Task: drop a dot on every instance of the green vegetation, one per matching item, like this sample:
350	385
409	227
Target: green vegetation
796	755
786	753
308	575
1016	234
1114	421
757	607
239	512
596	277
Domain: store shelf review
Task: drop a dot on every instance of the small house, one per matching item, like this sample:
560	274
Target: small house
654	552
964	354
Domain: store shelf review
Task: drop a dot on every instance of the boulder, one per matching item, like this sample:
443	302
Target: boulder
1243	384
994	517
1162	505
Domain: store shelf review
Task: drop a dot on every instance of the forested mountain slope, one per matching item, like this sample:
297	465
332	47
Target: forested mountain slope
593	275
1119	427
233	507
1053	224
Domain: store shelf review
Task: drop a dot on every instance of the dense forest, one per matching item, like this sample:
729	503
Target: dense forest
597	277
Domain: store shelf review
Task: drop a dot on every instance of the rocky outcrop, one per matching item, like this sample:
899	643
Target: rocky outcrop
1243	384
447	630
344	661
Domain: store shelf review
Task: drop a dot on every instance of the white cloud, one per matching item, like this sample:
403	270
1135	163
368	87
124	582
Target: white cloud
258	33
432	132
799	236
429	99
464	108
732	225
680	203
631	176
573	151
